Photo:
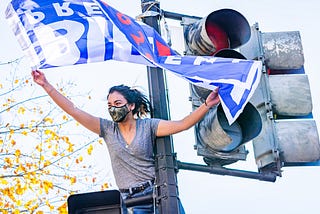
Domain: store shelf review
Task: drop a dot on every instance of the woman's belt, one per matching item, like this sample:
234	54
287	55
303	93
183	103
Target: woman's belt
139	188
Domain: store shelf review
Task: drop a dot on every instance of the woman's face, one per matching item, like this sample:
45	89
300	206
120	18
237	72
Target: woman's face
118	107
116	99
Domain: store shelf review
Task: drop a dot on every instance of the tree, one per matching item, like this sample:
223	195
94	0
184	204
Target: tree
44	154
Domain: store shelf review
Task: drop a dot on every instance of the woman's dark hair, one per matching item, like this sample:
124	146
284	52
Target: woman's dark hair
142	104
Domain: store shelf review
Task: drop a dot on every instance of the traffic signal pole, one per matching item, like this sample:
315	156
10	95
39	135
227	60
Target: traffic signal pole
166	179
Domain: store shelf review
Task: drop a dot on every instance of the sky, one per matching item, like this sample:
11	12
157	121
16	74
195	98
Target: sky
297	191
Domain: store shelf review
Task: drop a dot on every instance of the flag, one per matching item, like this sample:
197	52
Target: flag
69	32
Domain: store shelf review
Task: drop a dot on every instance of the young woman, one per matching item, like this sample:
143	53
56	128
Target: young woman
130	136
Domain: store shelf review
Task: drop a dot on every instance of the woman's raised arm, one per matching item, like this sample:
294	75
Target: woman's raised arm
168	127
87	120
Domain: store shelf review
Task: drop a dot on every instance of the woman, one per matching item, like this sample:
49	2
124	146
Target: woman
130	137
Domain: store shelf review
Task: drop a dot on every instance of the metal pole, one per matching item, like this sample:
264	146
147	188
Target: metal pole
166	180
178	16
147	199
224	171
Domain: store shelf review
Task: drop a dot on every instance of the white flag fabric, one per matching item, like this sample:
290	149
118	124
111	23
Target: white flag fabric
57	33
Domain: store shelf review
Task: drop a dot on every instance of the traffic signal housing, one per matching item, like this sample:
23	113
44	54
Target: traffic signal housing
289	136
225	28
217	35
217	141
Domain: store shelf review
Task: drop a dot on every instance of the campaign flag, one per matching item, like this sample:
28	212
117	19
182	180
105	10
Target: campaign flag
55	33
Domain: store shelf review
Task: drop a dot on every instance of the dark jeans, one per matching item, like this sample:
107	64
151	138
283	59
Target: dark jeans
145	209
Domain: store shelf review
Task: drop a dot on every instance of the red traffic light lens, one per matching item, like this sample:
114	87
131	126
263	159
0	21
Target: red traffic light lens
218	37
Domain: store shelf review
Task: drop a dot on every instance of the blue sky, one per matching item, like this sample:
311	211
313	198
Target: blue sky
297	191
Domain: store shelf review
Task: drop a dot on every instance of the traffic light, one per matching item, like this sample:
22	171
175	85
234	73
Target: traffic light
217	35
289	136
225	28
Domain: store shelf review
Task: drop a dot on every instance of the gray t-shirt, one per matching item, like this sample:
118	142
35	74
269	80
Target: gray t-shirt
135	163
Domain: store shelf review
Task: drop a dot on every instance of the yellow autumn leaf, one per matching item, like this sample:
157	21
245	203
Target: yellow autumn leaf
46	163
54	153
89	150
18	202
65	139
47	131
8	192
70	148
78	160
8	161
21	110
104	186
25	133
15	211
19	189
63	209
47	185
49	145
3	181
4	211
17	153
16	81
48	119
21	168
33	130
73	180
100	141
39	148
29	165
28	203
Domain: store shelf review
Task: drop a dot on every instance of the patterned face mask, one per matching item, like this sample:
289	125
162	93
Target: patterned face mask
118	113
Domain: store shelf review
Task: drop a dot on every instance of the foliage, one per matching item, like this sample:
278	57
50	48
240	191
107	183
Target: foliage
44	154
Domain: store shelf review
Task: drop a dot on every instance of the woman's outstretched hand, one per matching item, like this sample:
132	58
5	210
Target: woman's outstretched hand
39	78
213	98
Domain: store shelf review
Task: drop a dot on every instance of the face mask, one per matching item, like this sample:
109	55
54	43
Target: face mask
118	113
